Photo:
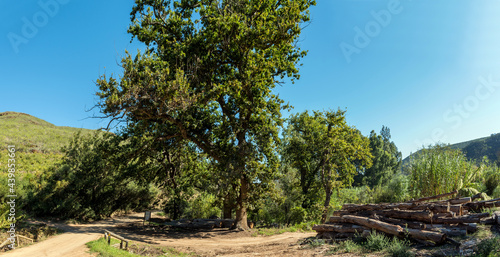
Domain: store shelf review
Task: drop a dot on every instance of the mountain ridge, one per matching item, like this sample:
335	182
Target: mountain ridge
474	149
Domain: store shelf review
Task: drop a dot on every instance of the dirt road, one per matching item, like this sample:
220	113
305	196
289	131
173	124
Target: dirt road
72	242
208	243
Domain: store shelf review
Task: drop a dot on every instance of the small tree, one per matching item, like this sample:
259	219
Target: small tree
326	151
386	160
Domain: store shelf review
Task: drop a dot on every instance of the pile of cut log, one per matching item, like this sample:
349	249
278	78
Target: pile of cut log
427	222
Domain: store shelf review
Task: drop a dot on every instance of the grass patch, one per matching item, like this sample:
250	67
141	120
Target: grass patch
302	227
483	232
488	247
347	246
375	242
101	246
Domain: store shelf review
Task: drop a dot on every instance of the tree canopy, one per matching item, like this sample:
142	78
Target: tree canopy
326	152
208	74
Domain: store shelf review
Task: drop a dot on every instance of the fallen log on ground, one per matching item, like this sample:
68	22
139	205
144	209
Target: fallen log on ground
433	197
444	207
396	230
375	224
339	228
477	206
471	218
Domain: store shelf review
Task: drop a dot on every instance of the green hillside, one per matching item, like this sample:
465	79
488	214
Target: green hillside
476	149
31	134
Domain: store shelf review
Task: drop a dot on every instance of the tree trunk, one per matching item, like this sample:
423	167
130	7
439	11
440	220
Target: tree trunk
241	210
227	207
396	229
328	191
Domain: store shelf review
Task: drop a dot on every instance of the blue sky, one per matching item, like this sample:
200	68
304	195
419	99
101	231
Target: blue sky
429	70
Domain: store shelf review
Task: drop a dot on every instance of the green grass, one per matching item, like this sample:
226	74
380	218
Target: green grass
488	247
374	243
31	134
302	227
347	246
101	247
483	232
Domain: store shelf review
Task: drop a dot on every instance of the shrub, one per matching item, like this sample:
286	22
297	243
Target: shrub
202	207
399	248
376	242
395	191
297	215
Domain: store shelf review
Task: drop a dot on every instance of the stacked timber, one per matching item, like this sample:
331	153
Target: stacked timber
428	222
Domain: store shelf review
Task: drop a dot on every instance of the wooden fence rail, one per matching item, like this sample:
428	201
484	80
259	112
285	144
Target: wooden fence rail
108	235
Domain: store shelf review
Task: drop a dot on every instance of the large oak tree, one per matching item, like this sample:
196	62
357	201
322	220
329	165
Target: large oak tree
208	72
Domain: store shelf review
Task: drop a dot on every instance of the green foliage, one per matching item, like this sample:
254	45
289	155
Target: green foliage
347	246
483	232
202	207
91	182
101	246
396	190
208	74
302	227
468	191
488	248
437	170
376	242
491	177
282	203
386	160
399	248
489	147
326	152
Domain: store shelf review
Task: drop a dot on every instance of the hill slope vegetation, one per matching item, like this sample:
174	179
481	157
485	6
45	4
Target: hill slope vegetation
31	134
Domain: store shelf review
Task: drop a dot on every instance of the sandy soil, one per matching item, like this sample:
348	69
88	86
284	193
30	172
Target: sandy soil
220	242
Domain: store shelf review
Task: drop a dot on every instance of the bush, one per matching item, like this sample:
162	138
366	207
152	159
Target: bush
496	193
395	191
376	242
202	207
468	192
399	248
297	215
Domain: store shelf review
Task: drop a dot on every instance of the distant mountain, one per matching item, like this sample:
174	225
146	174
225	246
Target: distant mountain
476	149
31	134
